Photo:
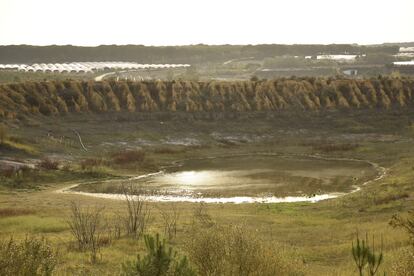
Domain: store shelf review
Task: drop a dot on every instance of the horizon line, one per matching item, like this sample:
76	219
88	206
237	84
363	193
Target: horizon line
204	44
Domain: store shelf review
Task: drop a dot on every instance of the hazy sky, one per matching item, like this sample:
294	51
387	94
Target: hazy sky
178	22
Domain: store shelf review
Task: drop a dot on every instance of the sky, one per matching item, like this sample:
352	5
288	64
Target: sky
184	22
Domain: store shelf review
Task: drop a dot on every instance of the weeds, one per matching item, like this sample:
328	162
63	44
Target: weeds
170	216
405	223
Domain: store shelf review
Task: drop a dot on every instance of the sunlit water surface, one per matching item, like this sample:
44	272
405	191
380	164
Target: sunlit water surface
251	179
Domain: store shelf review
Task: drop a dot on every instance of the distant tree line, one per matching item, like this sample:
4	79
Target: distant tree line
192	54
298	94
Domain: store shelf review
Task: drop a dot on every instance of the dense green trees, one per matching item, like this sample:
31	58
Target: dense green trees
295	94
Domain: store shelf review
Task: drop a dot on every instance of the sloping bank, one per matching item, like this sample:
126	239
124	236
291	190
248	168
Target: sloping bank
54	98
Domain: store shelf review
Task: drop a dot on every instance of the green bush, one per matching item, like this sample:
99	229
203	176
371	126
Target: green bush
235	250
31	256
160	260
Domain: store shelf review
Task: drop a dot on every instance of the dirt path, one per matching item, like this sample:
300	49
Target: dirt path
101	77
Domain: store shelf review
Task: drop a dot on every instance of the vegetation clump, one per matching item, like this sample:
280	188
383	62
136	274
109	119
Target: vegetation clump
215	249
160	260
87	227
48	164
128	156
405	264
31	256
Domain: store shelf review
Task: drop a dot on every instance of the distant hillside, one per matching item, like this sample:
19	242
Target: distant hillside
192	54
400	44
307	94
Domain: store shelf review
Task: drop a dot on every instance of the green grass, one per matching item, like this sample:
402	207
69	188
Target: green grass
33	224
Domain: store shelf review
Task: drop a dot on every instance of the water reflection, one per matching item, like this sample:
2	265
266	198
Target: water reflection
189	178
211	181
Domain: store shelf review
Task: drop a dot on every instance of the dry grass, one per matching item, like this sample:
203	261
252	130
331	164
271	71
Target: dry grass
330	147
48	164
168	150
12	212
90	163
128	156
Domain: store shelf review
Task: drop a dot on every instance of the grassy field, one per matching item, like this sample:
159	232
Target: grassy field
318	236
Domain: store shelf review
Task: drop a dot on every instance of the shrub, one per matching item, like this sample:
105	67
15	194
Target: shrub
128	156
86	226
160	260
49	164
31	256
405	265
235	250
405	223
201	216
207	251
170	216
7	171
137	215
91	163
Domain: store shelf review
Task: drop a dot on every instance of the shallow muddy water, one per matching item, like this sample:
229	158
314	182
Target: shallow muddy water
247	179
